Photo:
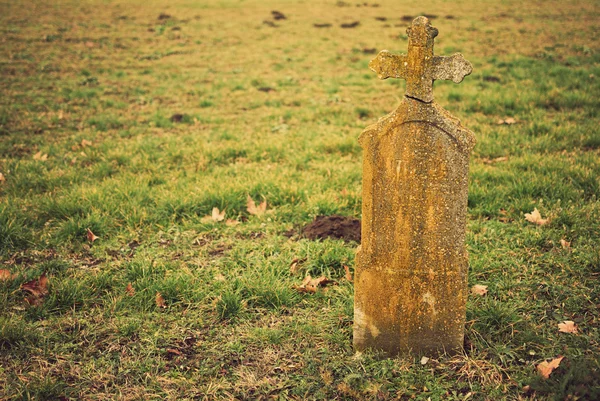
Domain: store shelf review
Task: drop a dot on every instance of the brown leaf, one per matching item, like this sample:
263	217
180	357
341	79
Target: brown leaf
37	290
253	209
479	289
5	275
535	217
294	266
2	179
91	237
348	274
568	326
565	244
507	121
231	222
545	368
130	290
160	301
40	156
85	142
216	215
310	285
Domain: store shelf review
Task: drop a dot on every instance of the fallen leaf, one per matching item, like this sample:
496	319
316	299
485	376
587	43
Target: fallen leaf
424	360
565	244
2	177
568	326
40	156
91	237
507	121
220	277
160	301
216	215
545	368
479	289
535	217
5	275
348	274
85	142
130	290
89	44
231	222
310	285
256	210
294	266
37	290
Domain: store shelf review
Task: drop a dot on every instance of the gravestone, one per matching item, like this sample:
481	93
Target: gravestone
411	268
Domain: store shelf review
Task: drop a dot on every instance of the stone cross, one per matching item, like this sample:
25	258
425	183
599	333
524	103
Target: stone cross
411	268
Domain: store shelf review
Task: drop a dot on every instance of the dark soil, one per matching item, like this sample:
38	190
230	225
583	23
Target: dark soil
350	24
278	15
340	227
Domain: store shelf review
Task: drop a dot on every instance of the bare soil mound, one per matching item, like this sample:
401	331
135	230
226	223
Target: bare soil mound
340	227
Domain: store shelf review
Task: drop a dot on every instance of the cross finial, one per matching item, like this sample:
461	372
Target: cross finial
420	67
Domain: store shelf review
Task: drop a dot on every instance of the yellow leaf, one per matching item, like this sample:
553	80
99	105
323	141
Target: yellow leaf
216	215
231	222
479	289
2	177
568	326
91	237
535	217
545	368
40	156
565	244
507	121
253	209
160	301
85	142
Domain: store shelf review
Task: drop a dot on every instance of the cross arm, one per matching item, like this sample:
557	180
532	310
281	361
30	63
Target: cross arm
453	67
388	65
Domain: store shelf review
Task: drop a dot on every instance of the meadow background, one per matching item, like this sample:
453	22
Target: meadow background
135	119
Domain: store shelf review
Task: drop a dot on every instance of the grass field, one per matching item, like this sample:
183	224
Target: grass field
134	119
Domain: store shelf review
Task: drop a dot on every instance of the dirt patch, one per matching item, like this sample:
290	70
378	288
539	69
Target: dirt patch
340	227
278	15
353	24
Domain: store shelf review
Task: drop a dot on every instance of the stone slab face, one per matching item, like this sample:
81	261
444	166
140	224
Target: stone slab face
411	268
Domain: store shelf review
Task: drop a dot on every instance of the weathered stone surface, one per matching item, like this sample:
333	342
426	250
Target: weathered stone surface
411	269
420	67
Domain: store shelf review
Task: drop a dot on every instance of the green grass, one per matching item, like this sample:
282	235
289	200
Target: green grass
114	74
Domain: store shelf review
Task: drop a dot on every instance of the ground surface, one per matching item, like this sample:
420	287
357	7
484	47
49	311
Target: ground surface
135	119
